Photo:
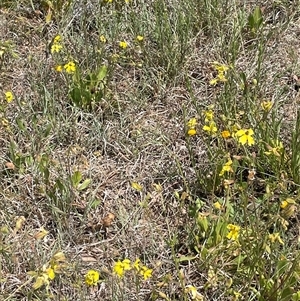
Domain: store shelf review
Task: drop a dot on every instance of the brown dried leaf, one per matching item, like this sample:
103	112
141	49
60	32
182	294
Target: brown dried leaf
88	259
10	165
108	219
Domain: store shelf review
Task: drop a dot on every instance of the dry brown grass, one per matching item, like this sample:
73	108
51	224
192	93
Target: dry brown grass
138	135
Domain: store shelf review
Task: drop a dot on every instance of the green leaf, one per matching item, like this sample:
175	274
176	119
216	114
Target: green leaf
257	16
287	293
84	185
20	124
186	258
76	178
95	203
202	223
102	73
59	185
255	19
47	130
75	95
296	296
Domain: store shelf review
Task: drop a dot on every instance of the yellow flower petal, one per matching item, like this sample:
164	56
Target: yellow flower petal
123	44
50	273
192	132
92	277
192	123
126	264
217	205
225	134
9	97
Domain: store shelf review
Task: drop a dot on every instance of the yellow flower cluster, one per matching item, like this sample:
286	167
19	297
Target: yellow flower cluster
276	149
48	271
192	123
102	39
123	44
266	105
70	67
226	168
233	232
222	69
92	278
56	45
120	267
275	237
210	126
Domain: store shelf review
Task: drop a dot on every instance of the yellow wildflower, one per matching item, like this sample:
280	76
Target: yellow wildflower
221	73
276	150
136	264
276	237
50	273
102	39
58	68
211	128
221	77
217	205
245	136
70	67
123	44
126	264
40	281
213	81
284	204
139	38
266	105
192	132
57	39
56	47
220	67
233	232
92	277
209	115
192	123
9	97
225	134
118	268
145	272
194	293
226	168
237	295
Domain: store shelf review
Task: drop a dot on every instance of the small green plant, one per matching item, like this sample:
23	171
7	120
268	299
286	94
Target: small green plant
255	20
87	92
